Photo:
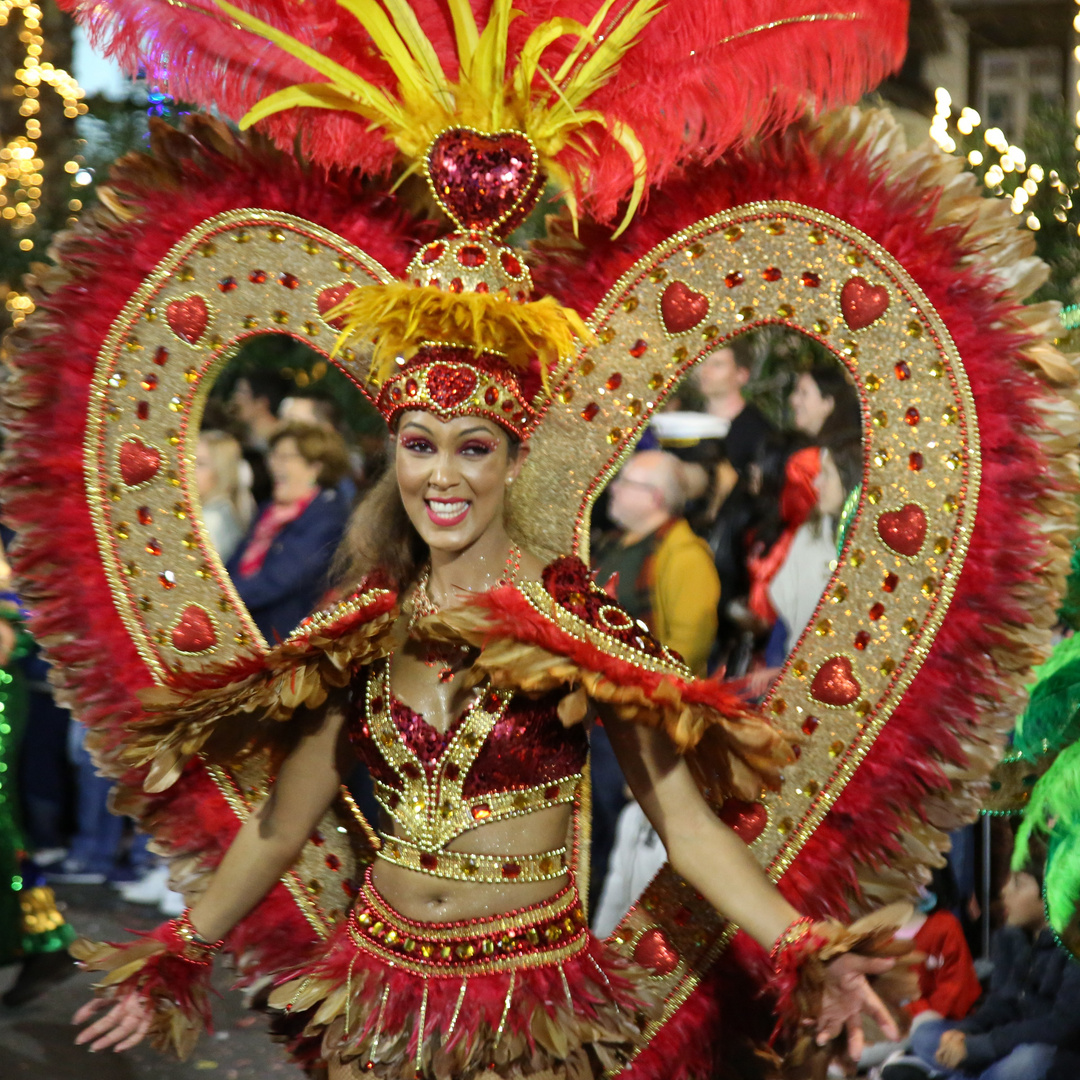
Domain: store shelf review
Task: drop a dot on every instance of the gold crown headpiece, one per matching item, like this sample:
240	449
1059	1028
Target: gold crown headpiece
466	301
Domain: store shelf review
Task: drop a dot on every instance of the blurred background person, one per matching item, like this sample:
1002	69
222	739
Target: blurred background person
948	984
721	378
224	482
824	405
1031	1012
281	569
662	574
256	398
33	933
666	575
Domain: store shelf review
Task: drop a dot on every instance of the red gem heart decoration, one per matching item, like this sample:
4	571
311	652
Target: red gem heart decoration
329	299
748	819
862	303
138	463
835	683
681	308
904	530
655	952
480	180
449	386
194	631
188	318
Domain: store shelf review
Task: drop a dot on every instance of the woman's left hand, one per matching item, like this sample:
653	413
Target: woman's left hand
848	996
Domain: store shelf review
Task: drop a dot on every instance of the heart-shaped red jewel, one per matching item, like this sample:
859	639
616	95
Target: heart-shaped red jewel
862	303
748	819
655	952
188	318
194	631
681	308
329	299
835	683
449	386
481	179
904	530
138	462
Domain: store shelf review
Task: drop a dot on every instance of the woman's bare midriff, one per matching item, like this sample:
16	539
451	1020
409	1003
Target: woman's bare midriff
426	898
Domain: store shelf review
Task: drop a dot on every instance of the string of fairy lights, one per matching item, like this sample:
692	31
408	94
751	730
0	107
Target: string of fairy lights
21	166
1011	176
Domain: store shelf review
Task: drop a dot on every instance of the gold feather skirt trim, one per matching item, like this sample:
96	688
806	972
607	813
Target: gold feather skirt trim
527	993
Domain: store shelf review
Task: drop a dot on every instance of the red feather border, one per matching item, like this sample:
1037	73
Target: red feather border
148	206
924	774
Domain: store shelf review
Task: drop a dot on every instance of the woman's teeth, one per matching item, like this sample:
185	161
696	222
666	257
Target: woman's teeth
441	510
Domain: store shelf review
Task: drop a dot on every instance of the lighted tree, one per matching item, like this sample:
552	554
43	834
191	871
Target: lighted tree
39	104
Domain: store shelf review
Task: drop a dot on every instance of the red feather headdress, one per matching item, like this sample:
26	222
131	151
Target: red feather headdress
706	76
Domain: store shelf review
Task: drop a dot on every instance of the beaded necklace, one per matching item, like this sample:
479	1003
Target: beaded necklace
450	659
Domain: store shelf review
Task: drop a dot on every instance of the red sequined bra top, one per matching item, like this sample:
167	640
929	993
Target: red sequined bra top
507	755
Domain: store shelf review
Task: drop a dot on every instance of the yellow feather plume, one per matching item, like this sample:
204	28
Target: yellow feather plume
400	317
486	96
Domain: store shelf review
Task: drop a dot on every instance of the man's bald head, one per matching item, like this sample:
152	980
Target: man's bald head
647	492
662	472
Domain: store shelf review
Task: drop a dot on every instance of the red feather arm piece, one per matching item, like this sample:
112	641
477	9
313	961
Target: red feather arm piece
569	632
926	771
226	710
150	204
701	79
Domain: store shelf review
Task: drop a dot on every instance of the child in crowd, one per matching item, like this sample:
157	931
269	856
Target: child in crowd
1031	1011
948	985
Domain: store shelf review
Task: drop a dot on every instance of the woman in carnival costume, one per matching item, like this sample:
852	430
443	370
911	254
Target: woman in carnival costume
464	665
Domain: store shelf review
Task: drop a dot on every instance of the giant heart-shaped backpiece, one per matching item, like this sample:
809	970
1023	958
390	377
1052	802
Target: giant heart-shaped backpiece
138	462
904	530
862	303
655	951
329	299
480	179
681	308
194	631
748	819
188	318
835	683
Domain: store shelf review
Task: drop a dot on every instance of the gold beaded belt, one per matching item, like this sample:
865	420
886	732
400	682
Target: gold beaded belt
545	933
465	866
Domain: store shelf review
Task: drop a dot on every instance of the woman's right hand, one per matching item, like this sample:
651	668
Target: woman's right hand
122	1027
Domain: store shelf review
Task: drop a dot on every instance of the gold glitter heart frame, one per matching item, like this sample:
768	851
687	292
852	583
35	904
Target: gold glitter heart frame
900	693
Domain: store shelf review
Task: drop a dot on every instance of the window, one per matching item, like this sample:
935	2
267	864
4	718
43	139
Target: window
1012	80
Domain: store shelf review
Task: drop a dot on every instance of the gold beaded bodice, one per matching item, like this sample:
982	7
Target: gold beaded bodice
506	756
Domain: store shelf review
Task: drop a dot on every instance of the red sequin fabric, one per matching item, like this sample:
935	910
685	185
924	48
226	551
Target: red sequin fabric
528	746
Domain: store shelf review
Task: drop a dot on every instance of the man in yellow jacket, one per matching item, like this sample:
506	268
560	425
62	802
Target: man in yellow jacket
662	573
666	575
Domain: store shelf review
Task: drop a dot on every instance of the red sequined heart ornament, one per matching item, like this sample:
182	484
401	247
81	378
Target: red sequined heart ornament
194	631
681	308
655	951
449	386
138	463
483	180
188	318
904	530
835	683
329	299
748	819
862	303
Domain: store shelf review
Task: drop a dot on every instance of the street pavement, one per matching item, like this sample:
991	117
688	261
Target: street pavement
37	1040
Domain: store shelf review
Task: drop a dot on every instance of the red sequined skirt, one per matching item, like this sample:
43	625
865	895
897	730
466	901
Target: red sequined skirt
531	993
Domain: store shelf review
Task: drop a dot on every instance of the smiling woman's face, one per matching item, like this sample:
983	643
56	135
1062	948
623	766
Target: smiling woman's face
453	476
